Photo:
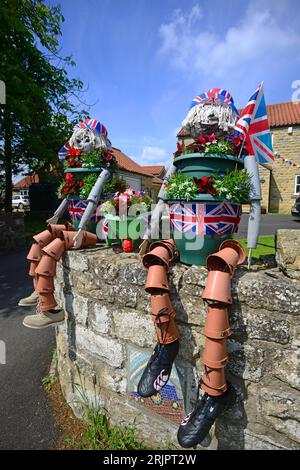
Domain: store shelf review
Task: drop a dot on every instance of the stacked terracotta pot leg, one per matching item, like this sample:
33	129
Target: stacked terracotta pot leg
217	294
46	251
157	261
219	394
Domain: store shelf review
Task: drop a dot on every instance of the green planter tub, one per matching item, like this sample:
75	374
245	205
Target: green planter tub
199	226
196	165
123	229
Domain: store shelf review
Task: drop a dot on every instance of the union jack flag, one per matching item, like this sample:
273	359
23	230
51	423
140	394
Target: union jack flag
92	124
77	208
105	228
254	125
217	96
209	218
63	151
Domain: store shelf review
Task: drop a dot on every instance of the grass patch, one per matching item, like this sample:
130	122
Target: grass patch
265	246
96	432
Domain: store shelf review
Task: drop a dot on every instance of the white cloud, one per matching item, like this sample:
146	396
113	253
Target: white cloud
153	156
259	37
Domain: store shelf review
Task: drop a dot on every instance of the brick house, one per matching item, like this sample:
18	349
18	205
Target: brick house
280	182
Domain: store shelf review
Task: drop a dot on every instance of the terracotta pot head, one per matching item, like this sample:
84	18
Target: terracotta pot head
32	268
215	353
46	302
217	323
238	247
43	238
35	252
55	249
45	284
157	280
158	255
218	288
47	266
213	382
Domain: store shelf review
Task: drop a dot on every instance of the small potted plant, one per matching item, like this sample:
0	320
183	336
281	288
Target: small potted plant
126	213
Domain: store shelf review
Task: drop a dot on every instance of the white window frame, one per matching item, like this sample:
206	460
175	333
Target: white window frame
297	185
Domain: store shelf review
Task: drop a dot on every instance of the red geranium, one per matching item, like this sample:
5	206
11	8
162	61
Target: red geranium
73	152
205	185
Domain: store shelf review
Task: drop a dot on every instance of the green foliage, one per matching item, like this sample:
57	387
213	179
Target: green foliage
48	381
234	185
223	146
88	183
100	433
115	184
92	160
180	186
41	107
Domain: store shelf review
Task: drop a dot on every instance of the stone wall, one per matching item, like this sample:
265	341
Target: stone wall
12	231
108	335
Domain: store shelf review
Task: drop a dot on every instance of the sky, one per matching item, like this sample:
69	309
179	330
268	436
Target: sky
143	61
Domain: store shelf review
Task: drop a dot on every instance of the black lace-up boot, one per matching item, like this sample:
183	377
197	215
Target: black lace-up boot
158	369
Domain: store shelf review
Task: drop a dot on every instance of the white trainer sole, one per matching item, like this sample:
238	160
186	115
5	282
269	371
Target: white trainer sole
45	326
20	304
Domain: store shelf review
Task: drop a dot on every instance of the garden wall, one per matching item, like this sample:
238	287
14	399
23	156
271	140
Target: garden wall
108	336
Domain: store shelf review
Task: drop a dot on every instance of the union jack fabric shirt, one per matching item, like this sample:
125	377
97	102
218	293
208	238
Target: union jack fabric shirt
77	208
209	218
63	151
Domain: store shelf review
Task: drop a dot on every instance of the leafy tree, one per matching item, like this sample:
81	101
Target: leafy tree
41	98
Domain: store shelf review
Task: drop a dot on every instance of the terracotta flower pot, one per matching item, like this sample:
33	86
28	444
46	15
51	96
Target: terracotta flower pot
89	239
157	280
46	302
213	381
68	238
45	284
218	287
32	268
238	247
217	324
47	266
43	238
158	255
161	308
69	227
170	245
215	353
167	332
55	249
225	260
35	252
56	229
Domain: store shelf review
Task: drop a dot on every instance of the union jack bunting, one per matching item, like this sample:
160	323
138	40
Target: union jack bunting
217	96
208	218
63	151
105	228
77	208
92	124
254	125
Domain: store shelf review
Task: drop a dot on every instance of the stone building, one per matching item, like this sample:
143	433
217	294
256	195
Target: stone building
280	181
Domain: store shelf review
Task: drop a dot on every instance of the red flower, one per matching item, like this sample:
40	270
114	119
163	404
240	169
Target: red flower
201	140
212	137
81	183
69	178
179	146
74	152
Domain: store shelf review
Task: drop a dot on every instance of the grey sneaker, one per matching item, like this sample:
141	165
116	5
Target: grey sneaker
44	319
29	301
